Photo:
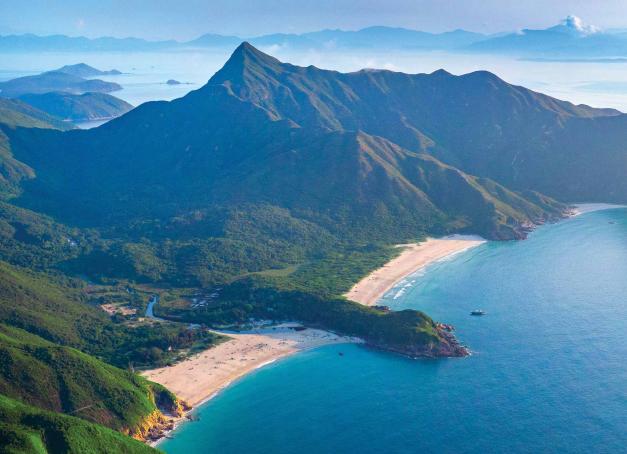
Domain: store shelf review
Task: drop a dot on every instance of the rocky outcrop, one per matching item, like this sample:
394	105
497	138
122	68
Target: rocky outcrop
150	426
447	347
163	419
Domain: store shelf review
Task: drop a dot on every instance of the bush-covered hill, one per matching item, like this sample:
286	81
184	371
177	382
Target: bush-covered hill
87	106
25	429
62	379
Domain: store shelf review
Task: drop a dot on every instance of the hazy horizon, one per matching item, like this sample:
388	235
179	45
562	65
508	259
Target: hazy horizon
187	19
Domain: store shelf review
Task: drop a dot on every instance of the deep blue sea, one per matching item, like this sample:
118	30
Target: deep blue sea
548	373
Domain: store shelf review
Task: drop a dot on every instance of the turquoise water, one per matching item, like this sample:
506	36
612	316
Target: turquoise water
549	373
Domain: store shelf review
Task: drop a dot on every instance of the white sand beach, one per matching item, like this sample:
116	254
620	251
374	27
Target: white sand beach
414	257
582	208
200	377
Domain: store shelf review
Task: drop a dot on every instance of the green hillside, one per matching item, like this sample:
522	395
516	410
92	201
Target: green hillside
64	380
25	430
53	348
331	165
87	106
273	188
13	114
59	312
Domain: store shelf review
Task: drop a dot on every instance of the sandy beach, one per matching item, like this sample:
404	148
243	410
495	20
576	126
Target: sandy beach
582	208
200	377
414	257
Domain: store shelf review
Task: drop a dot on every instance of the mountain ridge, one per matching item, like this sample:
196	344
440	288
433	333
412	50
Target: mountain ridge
569	38
283	104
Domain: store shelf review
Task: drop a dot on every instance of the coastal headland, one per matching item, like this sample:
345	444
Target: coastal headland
202	376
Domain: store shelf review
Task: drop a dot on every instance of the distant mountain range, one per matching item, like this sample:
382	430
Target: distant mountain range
571	38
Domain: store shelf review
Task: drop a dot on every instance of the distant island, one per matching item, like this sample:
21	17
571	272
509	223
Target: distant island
67	94
173	82
84	70
55	81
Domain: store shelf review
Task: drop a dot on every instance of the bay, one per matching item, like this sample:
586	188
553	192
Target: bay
547	374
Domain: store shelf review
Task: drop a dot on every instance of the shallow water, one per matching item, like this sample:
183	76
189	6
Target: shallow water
548	372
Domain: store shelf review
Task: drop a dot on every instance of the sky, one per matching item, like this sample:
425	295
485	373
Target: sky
187	19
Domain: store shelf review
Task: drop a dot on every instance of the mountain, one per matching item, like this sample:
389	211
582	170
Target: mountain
329	172
319	140
88	106
54	81
14	113
374	38
214	40
85	71
43	323
377	37
276	187
475	122
63	43
27	429
271	166
571	38
392	132
368	38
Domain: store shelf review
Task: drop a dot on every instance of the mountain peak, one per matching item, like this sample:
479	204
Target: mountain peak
245	49
441	73
244	58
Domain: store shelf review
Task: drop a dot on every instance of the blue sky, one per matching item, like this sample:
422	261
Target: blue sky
183	19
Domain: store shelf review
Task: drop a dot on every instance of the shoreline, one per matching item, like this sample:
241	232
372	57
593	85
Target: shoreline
414	257
583	208
198	379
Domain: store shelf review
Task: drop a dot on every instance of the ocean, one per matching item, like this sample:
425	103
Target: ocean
548	371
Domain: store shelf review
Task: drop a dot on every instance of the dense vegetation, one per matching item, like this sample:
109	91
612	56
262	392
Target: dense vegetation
59	312
320	183
26	429
65	380
83	107
275	188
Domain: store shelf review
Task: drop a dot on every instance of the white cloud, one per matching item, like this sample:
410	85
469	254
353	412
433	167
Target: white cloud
577	24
